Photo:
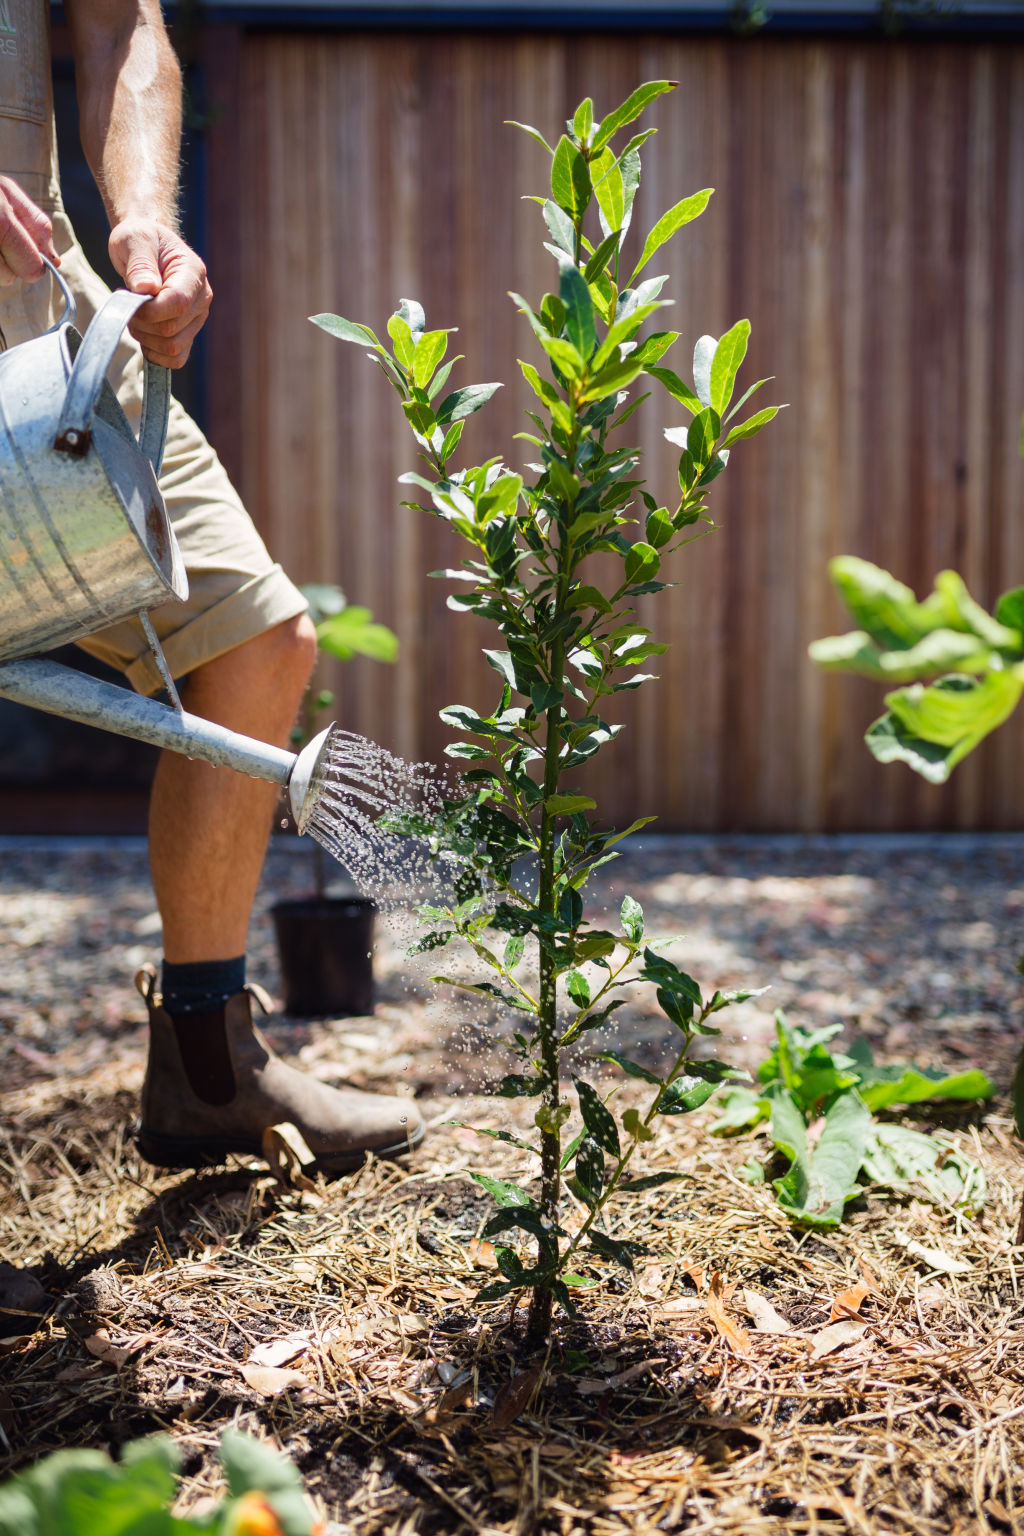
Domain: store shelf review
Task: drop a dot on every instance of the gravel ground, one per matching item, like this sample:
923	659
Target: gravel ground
910	940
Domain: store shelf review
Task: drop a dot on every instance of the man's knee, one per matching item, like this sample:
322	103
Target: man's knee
276	664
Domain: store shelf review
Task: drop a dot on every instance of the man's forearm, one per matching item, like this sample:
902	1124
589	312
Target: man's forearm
129	101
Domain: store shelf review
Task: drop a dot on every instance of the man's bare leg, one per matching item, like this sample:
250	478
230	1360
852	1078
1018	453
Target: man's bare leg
208	827
211	1087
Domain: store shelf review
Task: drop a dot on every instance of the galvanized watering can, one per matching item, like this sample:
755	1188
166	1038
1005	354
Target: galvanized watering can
84	536
85	541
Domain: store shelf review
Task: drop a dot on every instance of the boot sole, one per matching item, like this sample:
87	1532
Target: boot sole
204	1152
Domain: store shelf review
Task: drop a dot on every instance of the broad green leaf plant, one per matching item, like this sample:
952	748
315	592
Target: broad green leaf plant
965	667
819	1106
84	1493
525	836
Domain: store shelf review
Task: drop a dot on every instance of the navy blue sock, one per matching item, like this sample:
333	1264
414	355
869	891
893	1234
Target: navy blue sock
201	986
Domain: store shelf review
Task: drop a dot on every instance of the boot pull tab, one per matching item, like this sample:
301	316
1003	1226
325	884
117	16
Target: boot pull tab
145	982
263	997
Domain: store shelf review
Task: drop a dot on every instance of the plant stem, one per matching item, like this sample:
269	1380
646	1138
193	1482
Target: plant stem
539	1318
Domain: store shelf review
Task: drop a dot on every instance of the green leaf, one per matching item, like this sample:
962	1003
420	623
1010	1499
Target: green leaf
608	381
463	402
631	1068
589	1169
630	109
401	335
702	435
514	1086
568	805
560	227
597	1117
503	1191
430	349
352	632
495	1290
729	354
703	359
583	119
934	728
347	330
251	1465
678	390
632	915
634	1126
578	988
609	1248
642	562
740	1109
880	1087
579	309
602	256
683	213
819	1184
609	191
510	122
752	425
570	179
685	1094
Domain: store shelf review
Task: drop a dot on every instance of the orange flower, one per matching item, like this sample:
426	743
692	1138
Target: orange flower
252	1516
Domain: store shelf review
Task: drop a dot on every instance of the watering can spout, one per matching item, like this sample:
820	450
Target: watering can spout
60	690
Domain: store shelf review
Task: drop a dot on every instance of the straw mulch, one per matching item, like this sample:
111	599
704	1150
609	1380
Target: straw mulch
747	1377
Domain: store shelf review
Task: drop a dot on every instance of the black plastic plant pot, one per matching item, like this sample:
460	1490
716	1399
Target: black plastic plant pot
325	945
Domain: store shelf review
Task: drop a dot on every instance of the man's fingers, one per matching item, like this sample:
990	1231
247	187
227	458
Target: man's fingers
168	351
26	235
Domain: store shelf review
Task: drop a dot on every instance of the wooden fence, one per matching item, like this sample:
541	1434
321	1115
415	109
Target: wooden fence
868	218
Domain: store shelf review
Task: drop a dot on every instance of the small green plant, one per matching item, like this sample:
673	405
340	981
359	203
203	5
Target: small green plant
819	1106
553	563
84	1493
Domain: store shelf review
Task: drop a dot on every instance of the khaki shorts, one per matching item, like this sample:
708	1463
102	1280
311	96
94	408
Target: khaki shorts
235	590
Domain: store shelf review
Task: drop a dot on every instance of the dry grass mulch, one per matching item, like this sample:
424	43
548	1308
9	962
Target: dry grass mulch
746	1378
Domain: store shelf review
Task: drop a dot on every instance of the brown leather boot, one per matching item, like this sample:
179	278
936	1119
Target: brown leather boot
185	1128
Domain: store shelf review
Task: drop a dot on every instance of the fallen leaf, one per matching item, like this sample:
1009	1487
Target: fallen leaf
284	1148
512	1398
279	1351
73	1374
482	1255
677	1305
836	1335
933	1297
766	1319
269	1380
306	1271
696	1274
849	1301
937	1258
457	1395
869	1279
735	1336
116	1353
411	1323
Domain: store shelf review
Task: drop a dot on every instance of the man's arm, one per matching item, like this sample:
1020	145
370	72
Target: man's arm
129	102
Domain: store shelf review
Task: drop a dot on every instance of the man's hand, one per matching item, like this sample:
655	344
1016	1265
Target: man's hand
151	258
26	236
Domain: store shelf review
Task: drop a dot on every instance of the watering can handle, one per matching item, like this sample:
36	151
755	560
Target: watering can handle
74	429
